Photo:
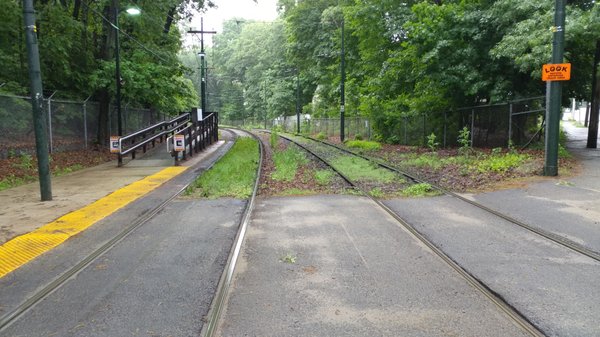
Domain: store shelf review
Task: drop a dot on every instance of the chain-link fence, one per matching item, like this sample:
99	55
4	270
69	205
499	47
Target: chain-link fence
330	127
71	125
517	122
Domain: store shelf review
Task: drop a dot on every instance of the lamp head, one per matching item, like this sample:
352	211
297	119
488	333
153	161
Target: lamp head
133	11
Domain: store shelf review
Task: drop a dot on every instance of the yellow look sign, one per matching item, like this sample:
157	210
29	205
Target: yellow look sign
556	72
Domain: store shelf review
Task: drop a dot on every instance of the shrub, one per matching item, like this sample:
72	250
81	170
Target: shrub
364	145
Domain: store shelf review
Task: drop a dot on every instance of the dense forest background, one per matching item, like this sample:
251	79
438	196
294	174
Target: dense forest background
402	58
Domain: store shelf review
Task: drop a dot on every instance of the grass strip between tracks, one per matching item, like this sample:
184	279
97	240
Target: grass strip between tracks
22	249
232	176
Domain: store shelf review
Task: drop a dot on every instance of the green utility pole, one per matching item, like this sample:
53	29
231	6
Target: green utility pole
342	90
37	100
203	97
555	93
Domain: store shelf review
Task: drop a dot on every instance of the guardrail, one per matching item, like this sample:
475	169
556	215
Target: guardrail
195	137
131	143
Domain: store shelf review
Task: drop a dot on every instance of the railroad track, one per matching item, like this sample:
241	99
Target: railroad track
565	242
505	307
210	327
45	290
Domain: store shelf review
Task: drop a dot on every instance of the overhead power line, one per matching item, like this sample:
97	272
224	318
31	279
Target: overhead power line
124	33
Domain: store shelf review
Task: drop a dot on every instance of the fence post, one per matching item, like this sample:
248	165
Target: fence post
424	129
85	130
405	131
445	127
472	126
510	113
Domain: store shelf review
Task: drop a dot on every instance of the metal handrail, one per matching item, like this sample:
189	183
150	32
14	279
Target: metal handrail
184	117
164	127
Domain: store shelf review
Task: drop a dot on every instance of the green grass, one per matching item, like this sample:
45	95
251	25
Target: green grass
360	169
233	176
501	162
287	163
12	181
323	177
363	145
419	190
66	170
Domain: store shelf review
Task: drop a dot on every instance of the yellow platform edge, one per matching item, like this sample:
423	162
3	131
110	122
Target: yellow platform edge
24	248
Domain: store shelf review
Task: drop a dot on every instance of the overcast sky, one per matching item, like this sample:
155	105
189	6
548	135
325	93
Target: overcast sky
262	10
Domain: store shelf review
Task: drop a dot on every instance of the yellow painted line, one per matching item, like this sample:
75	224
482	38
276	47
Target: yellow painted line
27	247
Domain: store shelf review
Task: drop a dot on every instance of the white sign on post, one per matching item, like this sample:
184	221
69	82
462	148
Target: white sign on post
115	145
179	143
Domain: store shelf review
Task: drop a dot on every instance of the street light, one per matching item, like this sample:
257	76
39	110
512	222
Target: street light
130	11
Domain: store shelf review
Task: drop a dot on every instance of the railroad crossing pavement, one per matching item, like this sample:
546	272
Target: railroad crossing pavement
79	200
340	266
569	207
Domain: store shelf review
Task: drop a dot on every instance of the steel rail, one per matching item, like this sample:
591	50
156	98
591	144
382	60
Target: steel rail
61	280
210	327
508	309
570	244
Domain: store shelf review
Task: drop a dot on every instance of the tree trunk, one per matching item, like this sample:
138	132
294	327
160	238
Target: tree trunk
592	141
169	21
76	7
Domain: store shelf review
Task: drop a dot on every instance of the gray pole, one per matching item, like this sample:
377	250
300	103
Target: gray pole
202	80
555	93
342	90
298	100
37	101
592	140
118	78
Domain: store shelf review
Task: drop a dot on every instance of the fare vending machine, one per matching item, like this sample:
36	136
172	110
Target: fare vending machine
115	144
179	143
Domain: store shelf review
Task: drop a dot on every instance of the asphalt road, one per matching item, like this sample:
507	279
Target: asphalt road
340	266
158	281
554	287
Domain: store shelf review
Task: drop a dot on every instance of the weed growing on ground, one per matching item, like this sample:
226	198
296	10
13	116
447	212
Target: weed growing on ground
66	170
501	163
323	177
360	169
233	176
274	139
287	163
419	190
431	143
364	145
377	193
464	139
288	258
321	136
12	181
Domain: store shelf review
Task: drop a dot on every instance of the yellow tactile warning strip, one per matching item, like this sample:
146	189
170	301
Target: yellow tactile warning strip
27	247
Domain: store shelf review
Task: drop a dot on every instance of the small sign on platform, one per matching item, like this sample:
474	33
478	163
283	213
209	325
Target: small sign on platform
179	143
556	72
115	145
